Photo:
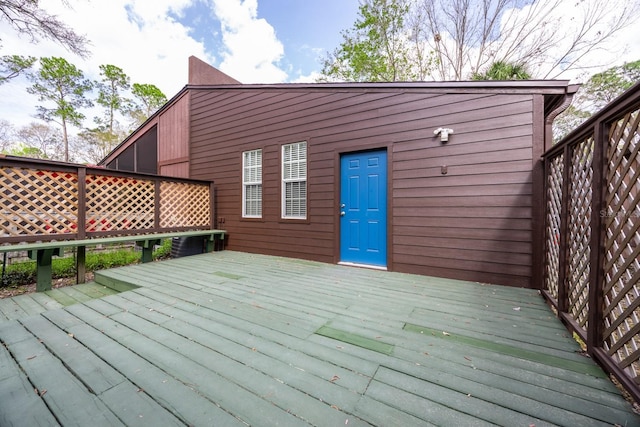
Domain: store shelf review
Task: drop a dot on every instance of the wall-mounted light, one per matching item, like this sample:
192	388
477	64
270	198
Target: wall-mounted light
444	133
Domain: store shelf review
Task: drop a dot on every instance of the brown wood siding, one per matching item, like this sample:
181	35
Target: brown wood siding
173	139
474	223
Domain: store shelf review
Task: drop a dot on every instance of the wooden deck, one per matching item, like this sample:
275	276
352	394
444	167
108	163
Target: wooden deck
230	338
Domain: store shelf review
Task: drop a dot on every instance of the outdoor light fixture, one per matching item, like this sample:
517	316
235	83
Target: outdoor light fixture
444	133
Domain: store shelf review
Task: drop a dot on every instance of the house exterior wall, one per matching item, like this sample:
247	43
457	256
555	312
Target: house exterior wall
472	223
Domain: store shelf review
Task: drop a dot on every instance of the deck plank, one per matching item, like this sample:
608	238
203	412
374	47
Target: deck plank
19	404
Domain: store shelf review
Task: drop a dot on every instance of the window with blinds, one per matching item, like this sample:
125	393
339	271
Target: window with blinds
294	180
252	184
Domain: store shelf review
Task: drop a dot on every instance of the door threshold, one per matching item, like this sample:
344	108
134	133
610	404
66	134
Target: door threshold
355	264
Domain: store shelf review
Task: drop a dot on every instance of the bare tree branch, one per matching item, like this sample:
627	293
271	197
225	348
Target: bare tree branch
27	18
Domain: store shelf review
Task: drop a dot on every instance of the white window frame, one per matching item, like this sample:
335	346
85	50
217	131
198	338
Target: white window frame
251	179
294	174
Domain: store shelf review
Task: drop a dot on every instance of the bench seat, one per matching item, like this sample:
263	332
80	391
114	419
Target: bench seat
42	252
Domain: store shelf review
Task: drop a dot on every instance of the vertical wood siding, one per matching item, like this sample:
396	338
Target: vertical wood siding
173	139
473	223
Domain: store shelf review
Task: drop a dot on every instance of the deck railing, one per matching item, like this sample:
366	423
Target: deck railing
43	201
592	241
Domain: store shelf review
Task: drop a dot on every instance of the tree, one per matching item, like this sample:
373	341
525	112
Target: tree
64	85
501	70
460	38
604	87
149	100
12	66
471	34
110	94
45	140
595	94
27	18
108	132
382	46
7	135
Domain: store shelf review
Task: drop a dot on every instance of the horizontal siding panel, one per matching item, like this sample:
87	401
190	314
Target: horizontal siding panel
467	212
501	278
455	181
495	246
462	191
466	234
464	202
480	265
504	224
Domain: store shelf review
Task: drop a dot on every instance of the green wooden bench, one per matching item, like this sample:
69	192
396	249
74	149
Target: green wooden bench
43	252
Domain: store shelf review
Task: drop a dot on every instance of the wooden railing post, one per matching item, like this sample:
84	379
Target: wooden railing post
595	337
81	224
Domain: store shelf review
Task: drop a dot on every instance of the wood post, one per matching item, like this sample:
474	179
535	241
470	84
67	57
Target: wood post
43	258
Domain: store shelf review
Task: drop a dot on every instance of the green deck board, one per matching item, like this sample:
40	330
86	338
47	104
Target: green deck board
28	304
178	398
10	309
184	344
313	398
232	397
355	339
61	297
19	405
58	387
572	365
91	370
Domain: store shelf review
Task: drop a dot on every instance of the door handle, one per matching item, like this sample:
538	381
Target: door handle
343	213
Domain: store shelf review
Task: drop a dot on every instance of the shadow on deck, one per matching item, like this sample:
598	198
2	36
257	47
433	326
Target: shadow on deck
230	338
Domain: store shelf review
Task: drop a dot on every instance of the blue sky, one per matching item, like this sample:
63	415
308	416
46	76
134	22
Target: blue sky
254	41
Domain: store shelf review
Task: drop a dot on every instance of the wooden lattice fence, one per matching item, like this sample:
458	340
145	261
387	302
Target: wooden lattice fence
592	242
44	201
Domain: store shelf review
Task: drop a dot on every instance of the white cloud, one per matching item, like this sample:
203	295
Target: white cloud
153	49
575	26
251	47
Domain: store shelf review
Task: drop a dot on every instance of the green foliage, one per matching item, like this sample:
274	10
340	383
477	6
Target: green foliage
502	70
595	94
26	151
604	87
113	83
64	85
377	48
163	251
22	273
149	98
12	66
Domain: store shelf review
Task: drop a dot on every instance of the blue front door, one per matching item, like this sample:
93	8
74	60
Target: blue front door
363	208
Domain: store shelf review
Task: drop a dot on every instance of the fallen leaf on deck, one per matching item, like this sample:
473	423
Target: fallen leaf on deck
334	378
32	357
468	358
516	308
446	334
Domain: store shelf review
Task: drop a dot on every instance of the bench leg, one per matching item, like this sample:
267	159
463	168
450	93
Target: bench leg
81	269
44	270
147	248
